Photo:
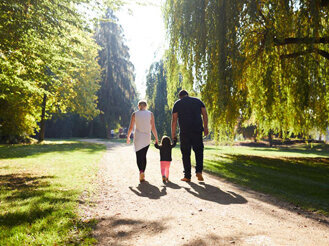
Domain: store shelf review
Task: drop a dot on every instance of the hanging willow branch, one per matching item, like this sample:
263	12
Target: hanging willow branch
249	60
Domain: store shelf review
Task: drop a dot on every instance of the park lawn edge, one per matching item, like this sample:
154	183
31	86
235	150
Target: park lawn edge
48	202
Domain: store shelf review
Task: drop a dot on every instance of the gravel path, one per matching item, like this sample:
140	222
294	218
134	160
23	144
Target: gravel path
213	212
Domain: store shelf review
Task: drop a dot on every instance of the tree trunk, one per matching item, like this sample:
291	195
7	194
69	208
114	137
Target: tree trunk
255	134
43	121
270	139
91	129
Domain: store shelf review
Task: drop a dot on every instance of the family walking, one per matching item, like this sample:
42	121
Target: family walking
187	111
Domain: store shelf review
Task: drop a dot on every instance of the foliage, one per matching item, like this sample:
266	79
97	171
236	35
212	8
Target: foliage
48	64
117	93
156	94
263	61
40	190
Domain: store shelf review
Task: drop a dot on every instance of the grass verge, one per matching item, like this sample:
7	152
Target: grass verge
297	174
40	187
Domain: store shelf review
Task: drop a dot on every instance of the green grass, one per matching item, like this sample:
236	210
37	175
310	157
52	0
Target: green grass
40	188
297	174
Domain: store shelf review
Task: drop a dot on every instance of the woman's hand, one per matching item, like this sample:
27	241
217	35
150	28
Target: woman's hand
128	140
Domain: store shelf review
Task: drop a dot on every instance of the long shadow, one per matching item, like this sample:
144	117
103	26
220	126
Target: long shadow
304	183
21	151
214	194
28	200
145	189
310	168
172	185
117	230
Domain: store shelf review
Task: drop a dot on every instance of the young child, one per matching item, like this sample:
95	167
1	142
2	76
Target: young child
165	156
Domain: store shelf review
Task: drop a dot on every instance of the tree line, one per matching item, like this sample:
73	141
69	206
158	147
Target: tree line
262	65
54	62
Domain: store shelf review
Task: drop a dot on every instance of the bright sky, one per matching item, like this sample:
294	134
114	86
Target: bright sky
145	36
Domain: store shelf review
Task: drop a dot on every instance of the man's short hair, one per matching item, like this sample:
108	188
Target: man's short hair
183	93
142	103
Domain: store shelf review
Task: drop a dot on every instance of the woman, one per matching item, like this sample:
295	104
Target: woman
143	120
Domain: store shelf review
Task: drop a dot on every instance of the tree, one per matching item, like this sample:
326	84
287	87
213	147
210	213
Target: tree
156	94
46	56
262	61
117	93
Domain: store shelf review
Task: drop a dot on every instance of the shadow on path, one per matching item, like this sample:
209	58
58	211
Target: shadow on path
214	194
145	189
172	185
115	231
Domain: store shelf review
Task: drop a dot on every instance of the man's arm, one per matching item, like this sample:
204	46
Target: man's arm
131	126
154	130
174	125
205	120
174	143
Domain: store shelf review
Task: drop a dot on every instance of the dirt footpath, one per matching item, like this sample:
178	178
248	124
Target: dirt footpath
213	212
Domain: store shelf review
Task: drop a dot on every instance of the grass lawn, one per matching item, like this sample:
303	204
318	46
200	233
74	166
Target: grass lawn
40	187
298	174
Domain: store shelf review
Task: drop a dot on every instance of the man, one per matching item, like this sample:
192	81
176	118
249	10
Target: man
188	111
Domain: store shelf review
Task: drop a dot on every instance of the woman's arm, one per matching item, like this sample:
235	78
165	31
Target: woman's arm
154	130
131	126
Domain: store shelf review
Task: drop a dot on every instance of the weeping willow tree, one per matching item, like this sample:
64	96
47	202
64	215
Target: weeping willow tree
266	62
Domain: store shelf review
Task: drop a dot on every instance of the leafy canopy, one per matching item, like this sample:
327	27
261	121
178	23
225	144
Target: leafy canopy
263	61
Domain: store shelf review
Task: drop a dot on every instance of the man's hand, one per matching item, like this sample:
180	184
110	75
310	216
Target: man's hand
206	131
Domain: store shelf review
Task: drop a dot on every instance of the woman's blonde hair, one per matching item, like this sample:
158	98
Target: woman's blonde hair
142	104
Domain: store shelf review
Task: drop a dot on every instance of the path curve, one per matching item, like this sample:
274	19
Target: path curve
213	212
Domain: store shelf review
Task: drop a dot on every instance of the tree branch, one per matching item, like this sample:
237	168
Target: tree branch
307	40
323	53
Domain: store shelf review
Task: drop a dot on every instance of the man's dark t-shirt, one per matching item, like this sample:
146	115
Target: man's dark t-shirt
189	114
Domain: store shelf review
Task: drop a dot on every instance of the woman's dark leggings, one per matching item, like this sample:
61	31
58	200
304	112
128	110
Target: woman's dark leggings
141	158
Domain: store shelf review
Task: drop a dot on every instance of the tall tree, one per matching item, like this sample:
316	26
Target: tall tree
262	61
46	53
156	94
117	94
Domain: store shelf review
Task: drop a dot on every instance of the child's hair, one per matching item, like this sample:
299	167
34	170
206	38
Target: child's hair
165	141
